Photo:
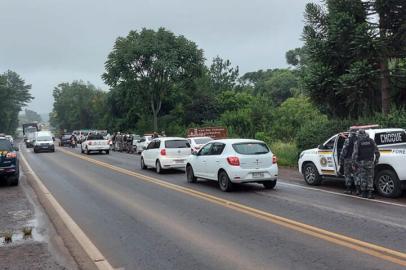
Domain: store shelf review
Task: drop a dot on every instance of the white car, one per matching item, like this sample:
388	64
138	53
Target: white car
44	141
166	153
95	143
142	144
232	161
390	173
197	142
10	138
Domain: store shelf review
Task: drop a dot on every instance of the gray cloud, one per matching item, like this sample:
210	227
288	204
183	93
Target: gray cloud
52	41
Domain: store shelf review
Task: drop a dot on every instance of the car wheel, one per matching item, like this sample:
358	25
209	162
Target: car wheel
158	167
269	184
224	182
13	180
387	184
35	150
311	175
107	152
81	150
87	151
143	167
190	175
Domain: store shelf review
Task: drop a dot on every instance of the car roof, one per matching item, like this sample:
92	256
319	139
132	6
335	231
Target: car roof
231	141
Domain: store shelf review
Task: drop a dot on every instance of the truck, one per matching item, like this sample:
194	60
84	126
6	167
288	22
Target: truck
390	173
29	130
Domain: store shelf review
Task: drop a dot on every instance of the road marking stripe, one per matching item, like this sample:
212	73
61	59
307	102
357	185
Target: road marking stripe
92	251
342	194
339	239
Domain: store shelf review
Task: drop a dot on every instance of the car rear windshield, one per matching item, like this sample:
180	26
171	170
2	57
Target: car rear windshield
44	138
251	148
203	140
177	144
393	137
95	137
5	145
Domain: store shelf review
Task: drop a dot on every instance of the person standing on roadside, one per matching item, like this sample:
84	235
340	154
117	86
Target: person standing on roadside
364	158
346	162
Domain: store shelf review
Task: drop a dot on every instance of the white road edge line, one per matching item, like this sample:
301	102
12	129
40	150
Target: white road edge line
341	194
92	251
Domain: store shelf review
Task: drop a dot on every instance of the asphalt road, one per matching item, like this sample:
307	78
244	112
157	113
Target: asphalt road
162	222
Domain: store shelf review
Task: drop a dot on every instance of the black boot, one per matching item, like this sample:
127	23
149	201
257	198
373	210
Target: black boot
357	190
364	194
348	191
370	195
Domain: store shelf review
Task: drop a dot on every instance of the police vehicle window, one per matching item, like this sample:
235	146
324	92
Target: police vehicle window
393	137
177	144
5	145
205	150
252	148
330	144
217	149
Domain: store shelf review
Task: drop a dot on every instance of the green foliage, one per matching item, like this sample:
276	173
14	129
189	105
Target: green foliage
291	116
14	95
78	106
29	116
287	153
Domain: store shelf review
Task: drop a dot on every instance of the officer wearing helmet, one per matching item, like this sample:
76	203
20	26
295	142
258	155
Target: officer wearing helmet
346	163
364	158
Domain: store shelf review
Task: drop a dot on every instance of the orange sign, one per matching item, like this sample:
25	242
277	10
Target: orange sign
212	132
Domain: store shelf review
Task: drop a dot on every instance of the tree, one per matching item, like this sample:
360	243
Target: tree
14	95
223	77
148	64
78	105
32	116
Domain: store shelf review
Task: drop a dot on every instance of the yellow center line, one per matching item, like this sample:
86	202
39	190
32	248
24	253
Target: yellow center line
377	251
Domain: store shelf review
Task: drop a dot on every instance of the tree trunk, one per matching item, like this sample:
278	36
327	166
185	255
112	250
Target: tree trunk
385	85
155	117
155	111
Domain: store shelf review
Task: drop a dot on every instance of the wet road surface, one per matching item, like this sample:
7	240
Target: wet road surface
140	223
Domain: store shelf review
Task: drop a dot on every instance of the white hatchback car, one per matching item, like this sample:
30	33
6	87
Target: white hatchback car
232	161
166	153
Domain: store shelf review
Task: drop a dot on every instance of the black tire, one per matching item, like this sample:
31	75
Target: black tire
158	167
311	175
143	167
224	182
13	180
87	151
269	184
190	175
107	152
387	184
35	151
53	150
81	150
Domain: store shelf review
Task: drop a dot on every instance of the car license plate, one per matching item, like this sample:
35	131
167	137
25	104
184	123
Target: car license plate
257	175
179	161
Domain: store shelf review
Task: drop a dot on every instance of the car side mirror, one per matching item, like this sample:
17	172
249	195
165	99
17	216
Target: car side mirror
320	146
194	153
53	138
144	148
16	148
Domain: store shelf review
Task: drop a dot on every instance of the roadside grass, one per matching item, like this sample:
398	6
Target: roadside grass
287	153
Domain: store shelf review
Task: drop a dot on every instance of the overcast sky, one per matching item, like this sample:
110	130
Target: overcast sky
52	41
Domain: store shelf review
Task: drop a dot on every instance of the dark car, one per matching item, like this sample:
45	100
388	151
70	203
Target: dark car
65	140
9	170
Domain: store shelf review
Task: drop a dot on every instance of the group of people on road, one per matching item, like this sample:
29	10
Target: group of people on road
122	142
359	157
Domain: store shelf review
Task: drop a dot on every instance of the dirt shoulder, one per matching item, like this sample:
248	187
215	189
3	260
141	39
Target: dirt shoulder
43	249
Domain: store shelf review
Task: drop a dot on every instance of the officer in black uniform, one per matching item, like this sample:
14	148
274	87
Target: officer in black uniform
365	156
346	162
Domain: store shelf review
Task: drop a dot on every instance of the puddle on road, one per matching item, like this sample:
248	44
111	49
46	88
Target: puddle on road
25	234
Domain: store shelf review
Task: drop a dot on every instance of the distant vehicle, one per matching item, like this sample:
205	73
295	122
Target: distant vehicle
390	173
142	144
44	142
197	142
29	130
10	138
233	161
95	143
9	165
65	140
166	153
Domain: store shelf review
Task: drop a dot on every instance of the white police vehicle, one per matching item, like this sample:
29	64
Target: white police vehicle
390	172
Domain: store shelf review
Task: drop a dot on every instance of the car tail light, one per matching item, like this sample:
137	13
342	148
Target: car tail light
11	155
233	161
274	159
163	152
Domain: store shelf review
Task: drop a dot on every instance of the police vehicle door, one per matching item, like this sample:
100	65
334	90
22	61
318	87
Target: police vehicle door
326	157
338	147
